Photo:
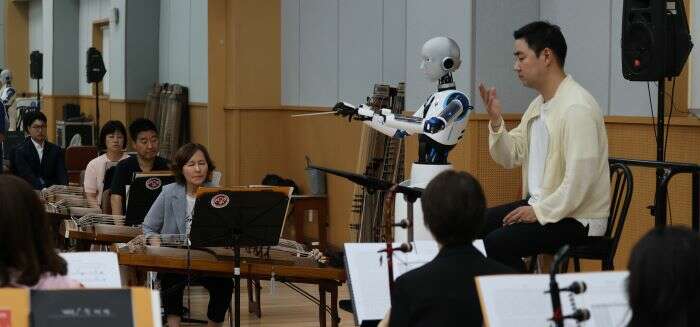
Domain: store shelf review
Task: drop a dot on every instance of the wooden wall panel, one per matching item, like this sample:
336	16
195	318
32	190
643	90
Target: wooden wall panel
198	123
17	35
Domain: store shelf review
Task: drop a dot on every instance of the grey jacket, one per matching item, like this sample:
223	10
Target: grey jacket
167	214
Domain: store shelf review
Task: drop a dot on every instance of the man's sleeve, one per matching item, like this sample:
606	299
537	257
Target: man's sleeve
22	169
119	180
508	149
61	172
582	153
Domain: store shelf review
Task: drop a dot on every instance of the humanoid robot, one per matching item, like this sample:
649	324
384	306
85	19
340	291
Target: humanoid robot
440	124
7	97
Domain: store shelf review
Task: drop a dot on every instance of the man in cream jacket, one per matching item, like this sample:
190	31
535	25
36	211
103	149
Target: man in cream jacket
562	147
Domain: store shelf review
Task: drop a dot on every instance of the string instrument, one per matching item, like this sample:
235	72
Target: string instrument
380	157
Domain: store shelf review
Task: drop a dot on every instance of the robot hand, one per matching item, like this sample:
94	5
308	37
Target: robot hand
434	125
347	110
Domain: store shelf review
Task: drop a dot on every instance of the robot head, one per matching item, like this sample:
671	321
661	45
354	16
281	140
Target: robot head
6	76
440	55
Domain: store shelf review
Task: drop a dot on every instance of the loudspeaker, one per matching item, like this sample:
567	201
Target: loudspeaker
655	39
95	67
36	63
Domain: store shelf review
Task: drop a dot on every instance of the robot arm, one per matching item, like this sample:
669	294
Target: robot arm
450	113
8	96
384	121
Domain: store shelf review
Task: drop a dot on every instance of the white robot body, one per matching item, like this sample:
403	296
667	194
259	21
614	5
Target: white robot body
7	95
421	174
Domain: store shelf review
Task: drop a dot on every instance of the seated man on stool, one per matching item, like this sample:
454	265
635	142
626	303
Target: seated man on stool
443	291
562	147
38	161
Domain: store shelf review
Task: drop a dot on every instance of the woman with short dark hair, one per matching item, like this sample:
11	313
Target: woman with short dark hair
113	142
27	254
664	280
171	213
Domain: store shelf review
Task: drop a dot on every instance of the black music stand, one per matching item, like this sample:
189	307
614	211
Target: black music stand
410	194
143	191
240	216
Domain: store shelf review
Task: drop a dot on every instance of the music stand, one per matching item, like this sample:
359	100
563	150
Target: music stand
239	216
410	194
144	190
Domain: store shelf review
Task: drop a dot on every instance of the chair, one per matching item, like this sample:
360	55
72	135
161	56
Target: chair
77	158
604	247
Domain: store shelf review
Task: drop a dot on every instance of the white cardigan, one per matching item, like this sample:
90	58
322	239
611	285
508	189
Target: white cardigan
576	181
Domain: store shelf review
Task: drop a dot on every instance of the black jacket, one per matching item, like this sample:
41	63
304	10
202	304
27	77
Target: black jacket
50	171
443	291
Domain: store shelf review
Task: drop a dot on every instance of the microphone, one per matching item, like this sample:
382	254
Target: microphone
579	315
404	247
576	287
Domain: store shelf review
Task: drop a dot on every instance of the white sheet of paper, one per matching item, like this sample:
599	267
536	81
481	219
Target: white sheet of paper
155	308
368	278
519	300
94	269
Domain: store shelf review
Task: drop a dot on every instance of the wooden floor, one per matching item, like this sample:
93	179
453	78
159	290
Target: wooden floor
283	308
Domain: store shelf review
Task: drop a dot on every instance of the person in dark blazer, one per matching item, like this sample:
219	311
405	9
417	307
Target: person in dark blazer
171	213
36	160
443	291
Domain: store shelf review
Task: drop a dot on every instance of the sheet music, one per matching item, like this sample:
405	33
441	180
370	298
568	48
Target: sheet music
155	308
368	277
94	269
519	300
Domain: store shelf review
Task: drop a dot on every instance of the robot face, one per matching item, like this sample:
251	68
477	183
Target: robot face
431	67
5	76
440	55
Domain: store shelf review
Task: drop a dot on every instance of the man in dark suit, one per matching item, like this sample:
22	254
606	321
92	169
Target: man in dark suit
443	291
38	161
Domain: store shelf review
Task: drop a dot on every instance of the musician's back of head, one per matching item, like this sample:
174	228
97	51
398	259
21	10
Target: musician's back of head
664	280
453	207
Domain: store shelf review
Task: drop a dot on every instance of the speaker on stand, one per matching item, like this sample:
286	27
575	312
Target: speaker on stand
95	70
655	45
36	67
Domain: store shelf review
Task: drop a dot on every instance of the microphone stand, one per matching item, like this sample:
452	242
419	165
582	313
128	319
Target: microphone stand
554	292
411	194
554	295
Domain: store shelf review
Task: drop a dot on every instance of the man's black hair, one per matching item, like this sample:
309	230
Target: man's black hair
31	117
540	35
141	125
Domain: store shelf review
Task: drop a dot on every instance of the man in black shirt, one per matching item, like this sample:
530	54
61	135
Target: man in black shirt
443	291
145	136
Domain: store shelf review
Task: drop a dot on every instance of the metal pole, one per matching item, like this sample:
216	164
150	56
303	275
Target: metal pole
660	199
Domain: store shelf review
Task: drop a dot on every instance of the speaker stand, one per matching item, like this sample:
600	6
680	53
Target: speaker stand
97	114
38	96
658	210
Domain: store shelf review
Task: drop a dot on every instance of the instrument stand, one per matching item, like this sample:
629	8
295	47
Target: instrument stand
237	278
